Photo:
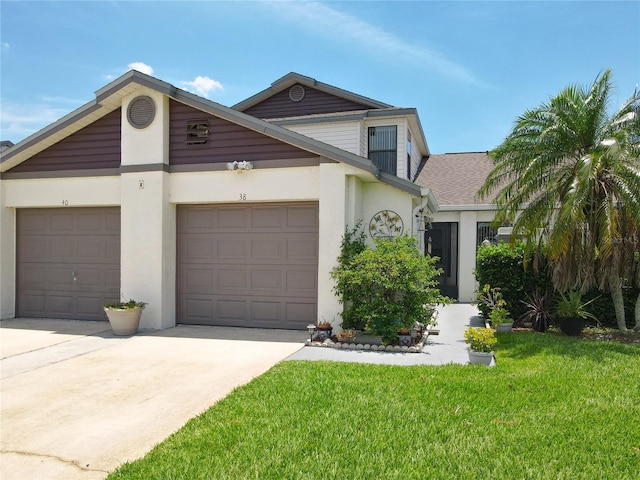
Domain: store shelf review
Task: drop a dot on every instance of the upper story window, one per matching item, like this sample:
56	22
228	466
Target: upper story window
383	148
197	132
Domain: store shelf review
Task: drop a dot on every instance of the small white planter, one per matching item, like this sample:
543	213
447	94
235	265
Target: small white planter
124	321
504	327
480	358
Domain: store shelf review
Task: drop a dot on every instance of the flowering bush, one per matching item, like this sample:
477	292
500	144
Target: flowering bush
480	339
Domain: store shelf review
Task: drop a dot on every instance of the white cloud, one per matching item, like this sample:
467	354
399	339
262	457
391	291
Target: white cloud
4	46
19	121
202	85
141	67
332	23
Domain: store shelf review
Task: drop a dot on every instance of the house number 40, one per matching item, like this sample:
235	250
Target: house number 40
243	196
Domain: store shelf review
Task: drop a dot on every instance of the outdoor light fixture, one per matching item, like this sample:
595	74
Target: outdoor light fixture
311	328
239	166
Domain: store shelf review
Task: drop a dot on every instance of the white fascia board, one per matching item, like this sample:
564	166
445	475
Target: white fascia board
473	207
432	201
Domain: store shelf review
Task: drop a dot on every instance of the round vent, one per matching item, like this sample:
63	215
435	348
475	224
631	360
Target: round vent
296	93
141	112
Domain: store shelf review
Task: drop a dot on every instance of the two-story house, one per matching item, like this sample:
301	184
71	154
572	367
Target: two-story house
211	215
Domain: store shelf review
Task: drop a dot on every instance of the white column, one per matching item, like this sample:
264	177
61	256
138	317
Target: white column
7	260
148	219
467	257
332	191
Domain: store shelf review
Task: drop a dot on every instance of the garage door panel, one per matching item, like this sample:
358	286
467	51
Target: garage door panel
32	304
198	248
227	278
91	306
266	280
198	310
231	248
61	222
234	218
298	314
302	217
302	249
59	304
68	262
195	279
267	218
302	281
263	261
266	313
58	277
265	247
231	310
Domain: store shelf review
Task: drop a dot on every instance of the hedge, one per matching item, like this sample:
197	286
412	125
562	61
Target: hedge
503	266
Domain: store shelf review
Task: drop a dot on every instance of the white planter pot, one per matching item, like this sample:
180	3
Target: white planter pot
124	321
504	327
480	358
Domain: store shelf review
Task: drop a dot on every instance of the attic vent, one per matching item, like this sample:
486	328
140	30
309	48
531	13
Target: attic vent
141	112
296	93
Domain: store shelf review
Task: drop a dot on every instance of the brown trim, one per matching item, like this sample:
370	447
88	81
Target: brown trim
151	167
101	172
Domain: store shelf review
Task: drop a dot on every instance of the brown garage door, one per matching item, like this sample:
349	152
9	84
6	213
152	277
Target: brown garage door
248	265
68	262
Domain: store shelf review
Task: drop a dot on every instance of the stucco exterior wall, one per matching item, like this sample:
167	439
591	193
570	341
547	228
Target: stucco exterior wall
467	226
148	196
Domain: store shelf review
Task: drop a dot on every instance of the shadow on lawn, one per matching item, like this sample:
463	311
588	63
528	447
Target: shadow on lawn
520	345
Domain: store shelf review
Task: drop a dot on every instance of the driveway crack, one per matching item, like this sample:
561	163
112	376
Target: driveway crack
84	468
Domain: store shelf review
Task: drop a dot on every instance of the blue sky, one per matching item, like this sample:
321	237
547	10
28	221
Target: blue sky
470	68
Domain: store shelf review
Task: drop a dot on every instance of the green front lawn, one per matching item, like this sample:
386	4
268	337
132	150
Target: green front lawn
553	408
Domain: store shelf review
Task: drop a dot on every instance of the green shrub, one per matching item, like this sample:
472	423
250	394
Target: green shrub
388	287
503	266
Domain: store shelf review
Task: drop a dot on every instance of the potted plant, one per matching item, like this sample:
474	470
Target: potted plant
404	337
325	329
481	342
124	317
346	336
571	312
493	302
500	319
538	312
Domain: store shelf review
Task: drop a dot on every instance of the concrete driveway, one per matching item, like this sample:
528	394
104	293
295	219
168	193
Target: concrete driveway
77	402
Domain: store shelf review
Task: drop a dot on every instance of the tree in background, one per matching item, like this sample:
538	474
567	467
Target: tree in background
568	175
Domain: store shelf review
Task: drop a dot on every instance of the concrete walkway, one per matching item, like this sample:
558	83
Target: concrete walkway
447	347
77	402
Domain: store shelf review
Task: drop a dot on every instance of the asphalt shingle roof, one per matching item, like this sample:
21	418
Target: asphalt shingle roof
455	178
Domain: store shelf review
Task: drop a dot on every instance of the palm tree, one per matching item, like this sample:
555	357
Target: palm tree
569	175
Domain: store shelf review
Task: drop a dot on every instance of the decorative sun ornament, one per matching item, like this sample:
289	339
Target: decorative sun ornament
386	224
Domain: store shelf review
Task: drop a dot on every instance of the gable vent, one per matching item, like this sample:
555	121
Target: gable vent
296	93
141	112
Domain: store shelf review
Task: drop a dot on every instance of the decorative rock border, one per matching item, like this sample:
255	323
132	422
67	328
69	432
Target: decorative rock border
417	348
328	343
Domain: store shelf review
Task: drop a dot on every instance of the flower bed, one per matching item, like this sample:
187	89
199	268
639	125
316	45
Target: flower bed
333	343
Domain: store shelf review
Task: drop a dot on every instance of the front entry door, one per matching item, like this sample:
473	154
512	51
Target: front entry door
442	242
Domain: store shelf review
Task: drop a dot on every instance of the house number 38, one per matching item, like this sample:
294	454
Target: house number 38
243	196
